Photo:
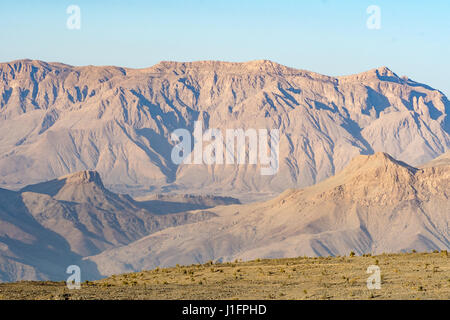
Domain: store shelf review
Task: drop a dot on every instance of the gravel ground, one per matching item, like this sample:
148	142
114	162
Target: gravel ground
403	276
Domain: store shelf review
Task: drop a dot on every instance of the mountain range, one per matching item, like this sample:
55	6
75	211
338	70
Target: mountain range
57	119
87	176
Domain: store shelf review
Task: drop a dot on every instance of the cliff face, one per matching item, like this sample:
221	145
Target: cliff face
57	119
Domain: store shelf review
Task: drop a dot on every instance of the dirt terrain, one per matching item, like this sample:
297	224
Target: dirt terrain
403	276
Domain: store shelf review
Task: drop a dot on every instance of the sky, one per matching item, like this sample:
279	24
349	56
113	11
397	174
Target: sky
326	36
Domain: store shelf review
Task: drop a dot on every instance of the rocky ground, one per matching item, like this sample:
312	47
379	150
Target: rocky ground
403	276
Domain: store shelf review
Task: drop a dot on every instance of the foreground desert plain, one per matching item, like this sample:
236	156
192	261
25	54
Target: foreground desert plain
403	276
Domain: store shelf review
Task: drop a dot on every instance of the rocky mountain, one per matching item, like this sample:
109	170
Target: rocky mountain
375	204
46	227
57	119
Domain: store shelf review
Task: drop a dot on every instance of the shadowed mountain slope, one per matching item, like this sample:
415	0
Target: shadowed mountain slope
46	227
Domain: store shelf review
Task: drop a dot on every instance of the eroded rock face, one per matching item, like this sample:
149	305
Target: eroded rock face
57	119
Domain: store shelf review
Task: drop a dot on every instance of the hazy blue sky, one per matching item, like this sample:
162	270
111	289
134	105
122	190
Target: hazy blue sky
326	36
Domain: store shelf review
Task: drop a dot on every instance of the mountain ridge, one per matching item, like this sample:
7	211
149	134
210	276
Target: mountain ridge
57	119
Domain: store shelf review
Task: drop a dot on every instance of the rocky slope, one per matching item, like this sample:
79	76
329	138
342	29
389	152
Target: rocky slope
57	119
28	250
44	228
376	204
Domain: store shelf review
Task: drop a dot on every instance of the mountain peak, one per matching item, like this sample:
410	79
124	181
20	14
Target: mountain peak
382	73
261	67
378	159
374	170
376	179
83	177
219	65
70	181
